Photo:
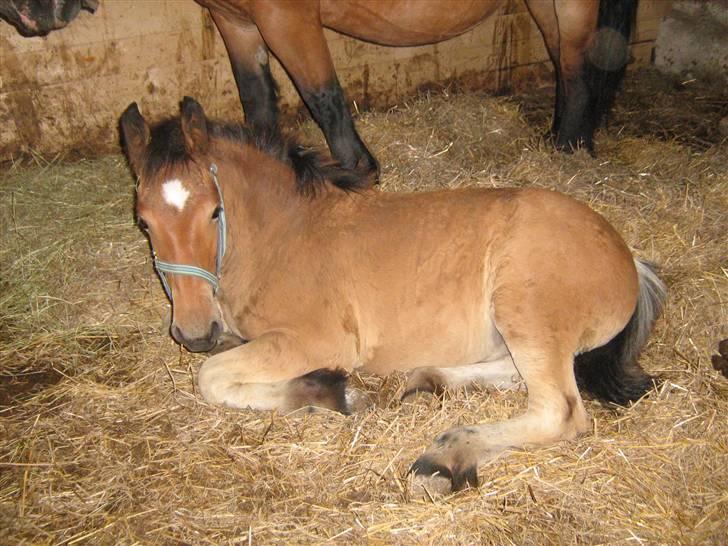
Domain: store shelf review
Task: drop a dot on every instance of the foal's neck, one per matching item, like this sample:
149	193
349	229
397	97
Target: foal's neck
259	190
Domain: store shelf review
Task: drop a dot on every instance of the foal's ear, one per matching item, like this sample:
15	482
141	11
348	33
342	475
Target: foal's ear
136	136
194	126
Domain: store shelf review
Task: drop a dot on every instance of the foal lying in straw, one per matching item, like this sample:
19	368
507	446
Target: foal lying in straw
264	244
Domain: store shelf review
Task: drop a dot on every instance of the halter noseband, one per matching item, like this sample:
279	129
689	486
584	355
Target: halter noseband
192	270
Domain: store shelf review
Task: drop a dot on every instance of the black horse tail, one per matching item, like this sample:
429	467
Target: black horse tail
611	373
607	58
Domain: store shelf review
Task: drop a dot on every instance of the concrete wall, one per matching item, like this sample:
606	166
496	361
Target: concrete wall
67	90
693	40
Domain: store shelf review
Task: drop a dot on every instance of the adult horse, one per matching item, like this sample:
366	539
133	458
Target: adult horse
39	17
586	41
261	240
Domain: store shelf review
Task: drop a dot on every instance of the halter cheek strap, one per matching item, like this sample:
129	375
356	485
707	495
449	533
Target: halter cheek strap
163	268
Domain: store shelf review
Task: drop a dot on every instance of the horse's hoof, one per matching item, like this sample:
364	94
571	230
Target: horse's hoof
429	486
430	472
370	170
357	400
225	342
570	146
418	396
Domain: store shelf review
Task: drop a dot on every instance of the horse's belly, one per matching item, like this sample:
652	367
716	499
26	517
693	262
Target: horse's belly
404	22
454	337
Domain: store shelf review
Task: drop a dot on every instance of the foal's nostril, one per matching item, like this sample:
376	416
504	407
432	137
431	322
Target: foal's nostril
201	344
215	331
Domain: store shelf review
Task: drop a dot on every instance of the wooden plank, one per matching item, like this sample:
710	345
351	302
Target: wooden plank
68	89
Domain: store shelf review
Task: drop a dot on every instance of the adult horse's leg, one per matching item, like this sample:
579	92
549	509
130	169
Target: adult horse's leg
297	39
587	43
249	60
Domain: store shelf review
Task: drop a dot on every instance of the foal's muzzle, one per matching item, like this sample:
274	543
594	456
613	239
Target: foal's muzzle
201	344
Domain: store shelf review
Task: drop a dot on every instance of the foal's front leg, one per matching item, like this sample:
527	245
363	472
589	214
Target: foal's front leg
271	372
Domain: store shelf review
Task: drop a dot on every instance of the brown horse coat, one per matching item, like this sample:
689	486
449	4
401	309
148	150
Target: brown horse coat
586	42
499	279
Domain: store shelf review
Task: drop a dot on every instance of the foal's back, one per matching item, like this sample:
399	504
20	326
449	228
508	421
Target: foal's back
423	270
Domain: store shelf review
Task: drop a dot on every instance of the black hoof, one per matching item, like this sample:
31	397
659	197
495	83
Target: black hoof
461	477
571	145
369	167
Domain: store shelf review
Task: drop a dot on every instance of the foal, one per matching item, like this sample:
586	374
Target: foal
262	242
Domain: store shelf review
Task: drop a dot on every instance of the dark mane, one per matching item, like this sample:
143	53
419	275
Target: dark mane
313	170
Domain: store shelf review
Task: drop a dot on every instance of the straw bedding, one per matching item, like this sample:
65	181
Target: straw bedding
103	438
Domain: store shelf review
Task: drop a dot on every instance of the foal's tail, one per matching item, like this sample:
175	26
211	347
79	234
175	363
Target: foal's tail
607	57
611	373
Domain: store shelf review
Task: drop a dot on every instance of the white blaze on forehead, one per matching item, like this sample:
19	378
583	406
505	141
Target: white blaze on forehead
175	193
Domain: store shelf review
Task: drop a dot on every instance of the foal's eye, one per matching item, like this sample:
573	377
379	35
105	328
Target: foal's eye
216	213
142	224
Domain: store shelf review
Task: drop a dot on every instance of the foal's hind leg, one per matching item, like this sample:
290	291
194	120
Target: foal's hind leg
249	60
542	344
297	40
499	374
555	412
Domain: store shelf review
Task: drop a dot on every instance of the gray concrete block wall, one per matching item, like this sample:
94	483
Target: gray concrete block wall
693	40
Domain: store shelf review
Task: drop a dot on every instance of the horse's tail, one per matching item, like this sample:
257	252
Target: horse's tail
607	57
611	373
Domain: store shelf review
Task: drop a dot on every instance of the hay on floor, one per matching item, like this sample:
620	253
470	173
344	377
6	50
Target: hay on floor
103	438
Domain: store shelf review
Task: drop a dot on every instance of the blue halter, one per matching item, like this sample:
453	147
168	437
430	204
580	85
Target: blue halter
192	270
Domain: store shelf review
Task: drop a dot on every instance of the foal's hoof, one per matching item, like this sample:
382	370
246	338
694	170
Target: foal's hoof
432	474
418	396
357	400
720	361
429	486
453	456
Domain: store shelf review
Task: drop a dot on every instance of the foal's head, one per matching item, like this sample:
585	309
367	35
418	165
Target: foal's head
179	206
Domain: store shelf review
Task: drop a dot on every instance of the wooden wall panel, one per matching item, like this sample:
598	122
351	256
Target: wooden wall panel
67	90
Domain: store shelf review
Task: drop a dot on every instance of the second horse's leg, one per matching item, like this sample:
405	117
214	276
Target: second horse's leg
249	60
299	43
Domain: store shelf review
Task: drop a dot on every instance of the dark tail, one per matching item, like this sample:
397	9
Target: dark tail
611	373
607	58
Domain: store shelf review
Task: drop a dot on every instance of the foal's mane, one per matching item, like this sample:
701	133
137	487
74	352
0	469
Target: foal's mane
312	169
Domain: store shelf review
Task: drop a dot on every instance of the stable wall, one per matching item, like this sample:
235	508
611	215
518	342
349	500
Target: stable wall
66	91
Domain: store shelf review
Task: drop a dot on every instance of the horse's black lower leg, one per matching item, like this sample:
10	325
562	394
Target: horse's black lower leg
588	90
573	122
258	94
328	107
